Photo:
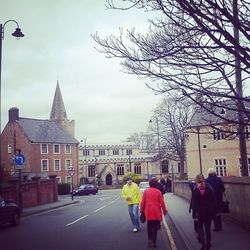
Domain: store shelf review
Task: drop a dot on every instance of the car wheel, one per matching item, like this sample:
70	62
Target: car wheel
15	219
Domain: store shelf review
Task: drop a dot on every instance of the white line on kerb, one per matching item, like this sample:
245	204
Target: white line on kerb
69	224
170	237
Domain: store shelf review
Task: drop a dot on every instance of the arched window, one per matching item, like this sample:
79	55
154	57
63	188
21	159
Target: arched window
164	167
120	169
137	168
91	170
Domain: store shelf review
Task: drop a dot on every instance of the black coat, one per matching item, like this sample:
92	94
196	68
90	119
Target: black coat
218	187
203	205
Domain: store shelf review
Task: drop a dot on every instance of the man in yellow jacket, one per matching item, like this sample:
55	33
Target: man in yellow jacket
132	194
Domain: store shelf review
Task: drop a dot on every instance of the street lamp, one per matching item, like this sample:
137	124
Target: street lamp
158	141
18	34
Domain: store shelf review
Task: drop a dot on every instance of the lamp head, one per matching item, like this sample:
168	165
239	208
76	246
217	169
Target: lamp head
18	33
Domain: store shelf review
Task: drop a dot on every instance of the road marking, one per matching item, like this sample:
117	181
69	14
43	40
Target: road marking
170	237
69	224
99	208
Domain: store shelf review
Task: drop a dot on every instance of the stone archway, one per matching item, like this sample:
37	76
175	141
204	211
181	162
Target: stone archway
109	180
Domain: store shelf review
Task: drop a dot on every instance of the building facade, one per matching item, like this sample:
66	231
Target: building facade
48	146
111	162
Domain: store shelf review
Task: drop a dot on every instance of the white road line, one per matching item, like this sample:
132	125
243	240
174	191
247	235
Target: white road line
100	208
69	224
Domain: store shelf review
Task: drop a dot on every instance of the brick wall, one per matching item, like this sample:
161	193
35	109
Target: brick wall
35	192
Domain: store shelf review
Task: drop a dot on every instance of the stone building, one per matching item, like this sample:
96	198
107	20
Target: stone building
212	142
49	146
110	162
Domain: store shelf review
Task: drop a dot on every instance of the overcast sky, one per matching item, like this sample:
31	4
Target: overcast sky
106	104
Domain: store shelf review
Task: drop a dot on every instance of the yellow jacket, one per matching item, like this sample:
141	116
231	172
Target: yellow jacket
131	194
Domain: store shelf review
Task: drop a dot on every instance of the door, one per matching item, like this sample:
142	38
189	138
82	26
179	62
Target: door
109	179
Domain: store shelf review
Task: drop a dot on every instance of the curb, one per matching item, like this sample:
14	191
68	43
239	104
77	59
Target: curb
37	211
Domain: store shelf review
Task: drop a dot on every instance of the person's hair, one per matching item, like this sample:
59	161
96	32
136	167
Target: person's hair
153	182
199	178
128	178
211	171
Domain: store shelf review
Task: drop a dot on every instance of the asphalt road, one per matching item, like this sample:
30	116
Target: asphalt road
98	222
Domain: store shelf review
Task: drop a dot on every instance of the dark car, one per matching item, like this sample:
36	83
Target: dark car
9	212
85	189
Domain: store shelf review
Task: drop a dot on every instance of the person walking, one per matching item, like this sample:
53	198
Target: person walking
203	205
152	205
218	187
131	193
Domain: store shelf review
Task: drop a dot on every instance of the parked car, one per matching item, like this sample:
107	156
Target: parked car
85	189
9	212
143	186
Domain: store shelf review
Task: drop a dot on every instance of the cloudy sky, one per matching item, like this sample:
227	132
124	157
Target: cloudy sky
106	104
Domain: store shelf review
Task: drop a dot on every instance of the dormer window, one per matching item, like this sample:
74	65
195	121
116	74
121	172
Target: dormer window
223	112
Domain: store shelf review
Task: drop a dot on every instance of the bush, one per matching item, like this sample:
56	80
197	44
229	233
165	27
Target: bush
135	178
63	188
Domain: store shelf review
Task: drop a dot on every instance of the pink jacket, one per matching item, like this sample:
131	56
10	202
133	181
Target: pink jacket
152	204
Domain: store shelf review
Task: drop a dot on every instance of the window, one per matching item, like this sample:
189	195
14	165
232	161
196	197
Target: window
120	169
248	161
59	180
101	152
218	134
129	151
115	151
164	167
91	170
57	165
68	164
44	148
68	179
137	168
67	149
247	132
56	149
220	167
85	152
44	165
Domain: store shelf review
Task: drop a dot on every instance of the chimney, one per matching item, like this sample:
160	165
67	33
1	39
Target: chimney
13	114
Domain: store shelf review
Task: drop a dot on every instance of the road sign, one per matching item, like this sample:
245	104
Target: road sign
19	166
71	172
19	159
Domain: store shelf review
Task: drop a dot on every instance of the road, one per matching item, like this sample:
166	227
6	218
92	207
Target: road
98	222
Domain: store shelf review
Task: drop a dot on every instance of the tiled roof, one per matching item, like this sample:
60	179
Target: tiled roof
45	131
203	117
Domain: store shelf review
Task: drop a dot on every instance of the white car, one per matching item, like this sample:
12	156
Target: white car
143	186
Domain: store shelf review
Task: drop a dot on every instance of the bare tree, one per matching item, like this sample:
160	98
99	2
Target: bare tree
200	48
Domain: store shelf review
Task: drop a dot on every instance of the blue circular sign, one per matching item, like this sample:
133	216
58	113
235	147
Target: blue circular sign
19	159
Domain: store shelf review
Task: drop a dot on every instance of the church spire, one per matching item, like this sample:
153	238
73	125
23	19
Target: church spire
58	112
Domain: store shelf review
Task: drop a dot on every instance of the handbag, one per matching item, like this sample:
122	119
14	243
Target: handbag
225	206
142	217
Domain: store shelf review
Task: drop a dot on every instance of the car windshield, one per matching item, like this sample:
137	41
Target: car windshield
144	185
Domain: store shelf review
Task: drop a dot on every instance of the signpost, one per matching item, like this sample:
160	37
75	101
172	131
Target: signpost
71	173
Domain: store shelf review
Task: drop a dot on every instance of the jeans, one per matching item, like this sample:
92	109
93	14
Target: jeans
134	215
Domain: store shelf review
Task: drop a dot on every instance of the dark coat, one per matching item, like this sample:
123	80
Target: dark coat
218	187
203	205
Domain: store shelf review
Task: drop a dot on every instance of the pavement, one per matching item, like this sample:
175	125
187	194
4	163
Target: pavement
232	236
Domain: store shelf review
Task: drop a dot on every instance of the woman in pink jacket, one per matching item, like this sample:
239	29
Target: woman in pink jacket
152	204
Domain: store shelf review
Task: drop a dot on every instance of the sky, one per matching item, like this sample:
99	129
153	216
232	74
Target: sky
106	104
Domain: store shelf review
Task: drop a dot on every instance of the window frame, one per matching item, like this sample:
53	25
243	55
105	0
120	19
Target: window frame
60	167
59	149
41	148
68	152
44	160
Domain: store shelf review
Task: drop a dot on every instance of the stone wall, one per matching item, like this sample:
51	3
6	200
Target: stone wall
33	193
237	193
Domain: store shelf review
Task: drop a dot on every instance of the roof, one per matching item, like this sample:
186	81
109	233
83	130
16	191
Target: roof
226	109
45	131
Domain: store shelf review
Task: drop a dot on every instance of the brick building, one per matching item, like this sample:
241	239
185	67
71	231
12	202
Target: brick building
49	146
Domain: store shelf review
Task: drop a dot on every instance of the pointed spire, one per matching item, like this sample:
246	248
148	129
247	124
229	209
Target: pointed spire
58	112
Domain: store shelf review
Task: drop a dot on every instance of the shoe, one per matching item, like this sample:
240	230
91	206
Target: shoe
154	245
216	230
150	243
199	239
135	230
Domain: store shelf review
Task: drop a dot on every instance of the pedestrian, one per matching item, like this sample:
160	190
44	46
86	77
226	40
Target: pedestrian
218	186
203	205
163	183
152	205
131	193
169	185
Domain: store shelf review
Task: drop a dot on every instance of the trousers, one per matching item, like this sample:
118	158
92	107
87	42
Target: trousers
152	227
133	210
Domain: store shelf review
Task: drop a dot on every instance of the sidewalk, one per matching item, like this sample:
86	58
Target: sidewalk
232	236
62	201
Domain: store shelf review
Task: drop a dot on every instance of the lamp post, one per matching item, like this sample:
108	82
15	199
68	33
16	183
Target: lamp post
158	142
18	34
